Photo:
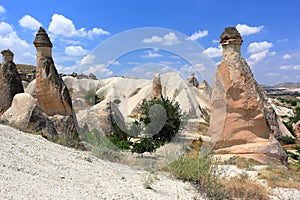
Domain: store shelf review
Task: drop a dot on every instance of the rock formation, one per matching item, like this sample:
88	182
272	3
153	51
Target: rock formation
10	81
192	80
238	123
26	113
157	89
51	92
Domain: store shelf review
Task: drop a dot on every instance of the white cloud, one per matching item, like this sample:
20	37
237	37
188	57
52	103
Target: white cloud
99	70
87	60
285	67
248	30
60	25
5	28
151	55
198	35
153	39
272	74
113	62
75	51
259	51
286	56
24	53
168	39
214	51
216	41
257	47
30	23
290	67
2	9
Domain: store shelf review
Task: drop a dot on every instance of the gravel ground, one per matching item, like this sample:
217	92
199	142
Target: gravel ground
33	168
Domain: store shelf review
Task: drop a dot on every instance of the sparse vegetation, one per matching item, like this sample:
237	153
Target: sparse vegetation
92	98
278	176
205	174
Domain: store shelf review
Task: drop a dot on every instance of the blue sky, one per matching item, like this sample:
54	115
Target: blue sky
78	29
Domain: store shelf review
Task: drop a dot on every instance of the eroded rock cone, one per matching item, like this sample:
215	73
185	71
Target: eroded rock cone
238	124
51	92
157	89
10	81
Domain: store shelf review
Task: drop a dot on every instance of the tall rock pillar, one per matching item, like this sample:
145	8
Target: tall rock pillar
238	124
51	92
10	81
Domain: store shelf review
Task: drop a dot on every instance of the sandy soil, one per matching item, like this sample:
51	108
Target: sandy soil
33	168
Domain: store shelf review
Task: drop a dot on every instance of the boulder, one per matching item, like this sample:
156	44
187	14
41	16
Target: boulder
26	113
64	125
10	81
51	92
238	124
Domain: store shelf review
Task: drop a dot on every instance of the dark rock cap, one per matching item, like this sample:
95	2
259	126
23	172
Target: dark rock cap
231	36
7	52
41	39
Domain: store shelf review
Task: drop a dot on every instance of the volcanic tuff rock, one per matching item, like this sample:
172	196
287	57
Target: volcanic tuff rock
238	123
10	81
26	113
156	86
192	80
51	92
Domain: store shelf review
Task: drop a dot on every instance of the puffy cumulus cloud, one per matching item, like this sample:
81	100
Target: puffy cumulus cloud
151	55
5	28
60	25
167	39
198	35
2	9
286	56
100	70
257	47
214	52
248	30
24	53
75	51
30	23
259	51
87	60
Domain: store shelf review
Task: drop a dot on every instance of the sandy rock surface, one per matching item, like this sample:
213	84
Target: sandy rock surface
33	168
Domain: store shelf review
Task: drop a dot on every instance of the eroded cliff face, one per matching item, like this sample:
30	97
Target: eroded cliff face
238	123
10	81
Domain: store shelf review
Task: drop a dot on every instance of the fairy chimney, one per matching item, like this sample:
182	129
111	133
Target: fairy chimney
157	89
238	123
10	81
51	92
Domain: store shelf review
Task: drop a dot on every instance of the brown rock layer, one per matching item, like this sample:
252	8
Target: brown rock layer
10	81
238	123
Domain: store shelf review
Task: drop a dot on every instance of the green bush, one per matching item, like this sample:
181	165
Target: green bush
173	119
287	140
297	148
92	98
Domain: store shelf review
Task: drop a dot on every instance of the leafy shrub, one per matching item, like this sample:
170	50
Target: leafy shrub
287	140
117	101
92	98
173	119
297	148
